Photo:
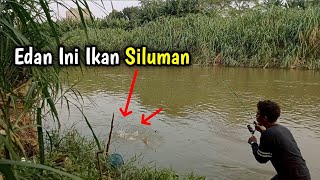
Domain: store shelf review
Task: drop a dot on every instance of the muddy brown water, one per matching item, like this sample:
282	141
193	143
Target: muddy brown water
202	127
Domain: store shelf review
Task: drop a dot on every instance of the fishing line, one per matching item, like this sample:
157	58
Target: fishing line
250	128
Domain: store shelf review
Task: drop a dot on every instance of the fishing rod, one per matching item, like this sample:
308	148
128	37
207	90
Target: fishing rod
250	128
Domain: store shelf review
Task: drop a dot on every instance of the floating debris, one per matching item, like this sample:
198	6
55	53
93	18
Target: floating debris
151	138
135	133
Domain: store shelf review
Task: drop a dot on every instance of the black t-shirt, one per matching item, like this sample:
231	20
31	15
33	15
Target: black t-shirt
278	145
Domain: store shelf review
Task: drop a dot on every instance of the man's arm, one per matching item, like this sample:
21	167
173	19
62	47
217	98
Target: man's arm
262	152
260	155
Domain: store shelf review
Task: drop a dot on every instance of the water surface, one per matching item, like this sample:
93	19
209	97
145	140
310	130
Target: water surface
202	127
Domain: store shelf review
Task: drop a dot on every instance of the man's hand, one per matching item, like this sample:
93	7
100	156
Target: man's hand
252	139
260	128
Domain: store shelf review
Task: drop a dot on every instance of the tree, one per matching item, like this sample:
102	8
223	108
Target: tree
228	4
115	15
130	12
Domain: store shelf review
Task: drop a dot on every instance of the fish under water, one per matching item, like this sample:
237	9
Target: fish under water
151	138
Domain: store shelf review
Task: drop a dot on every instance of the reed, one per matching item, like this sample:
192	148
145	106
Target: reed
27	92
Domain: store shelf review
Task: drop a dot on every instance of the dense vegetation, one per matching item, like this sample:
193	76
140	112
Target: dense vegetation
266	35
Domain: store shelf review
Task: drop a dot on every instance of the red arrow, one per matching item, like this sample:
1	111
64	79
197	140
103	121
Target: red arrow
145	121
125	112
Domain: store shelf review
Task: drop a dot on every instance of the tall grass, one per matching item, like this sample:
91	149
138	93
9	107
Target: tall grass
26	90
277	37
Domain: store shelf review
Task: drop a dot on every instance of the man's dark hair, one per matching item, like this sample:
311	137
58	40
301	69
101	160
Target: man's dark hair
269	109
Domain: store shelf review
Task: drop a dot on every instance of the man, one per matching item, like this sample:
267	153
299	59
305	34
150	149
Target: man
277	144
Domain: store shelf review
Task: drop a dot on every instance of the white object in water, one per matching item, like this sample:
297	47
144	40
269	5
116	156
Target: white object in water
122	134
135	133
131	138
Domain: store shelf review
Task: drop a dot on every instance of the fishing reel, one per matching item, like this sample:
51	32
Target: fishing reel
251	129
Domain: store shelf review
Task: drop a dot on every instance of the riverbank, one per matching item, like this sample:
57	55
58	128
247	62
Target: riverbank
272	38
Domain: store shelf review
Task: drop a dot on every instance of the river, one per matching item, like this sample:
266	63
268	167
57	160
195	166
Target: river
202	125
